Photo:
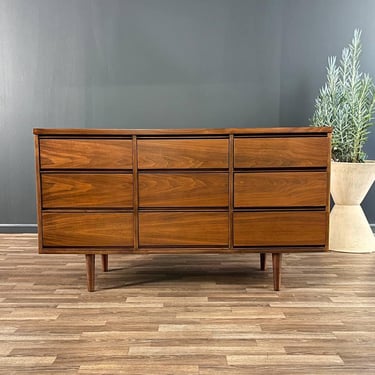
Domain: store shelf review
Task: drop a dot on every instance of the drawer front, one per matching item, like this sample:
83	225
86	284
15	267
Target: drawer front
183	229
281	152
182	153
87	229
87	190
300	228
183	190
280	189
85	154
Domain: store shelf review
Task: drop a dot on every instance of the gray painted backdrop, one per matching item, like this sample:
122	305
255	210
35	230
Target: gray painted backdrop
312	31
161	63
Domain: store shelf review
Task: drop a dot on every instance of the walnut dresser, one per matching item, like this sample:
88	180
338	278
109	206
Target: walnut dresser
253	190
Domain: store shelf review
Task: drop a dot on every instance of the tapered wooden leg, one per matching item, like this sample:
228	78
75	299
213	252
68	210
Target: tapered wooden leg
90	272
105	262
263	258
276	265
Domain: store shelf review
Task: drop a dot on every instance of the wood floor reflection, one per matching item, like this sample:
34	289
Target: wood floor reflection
185	314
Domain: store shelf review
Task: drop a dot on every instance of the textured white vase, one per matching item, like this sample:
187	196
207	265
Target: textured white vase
349	228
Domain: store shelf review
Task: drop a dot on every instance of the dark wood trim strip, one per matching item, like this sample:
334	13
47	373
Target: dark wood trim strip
192	131
181	250
135	193
231	189
38	193
328	204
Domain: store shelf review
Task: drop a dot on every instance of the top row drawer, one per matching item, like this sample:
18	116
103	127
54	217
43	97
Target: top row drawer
86	153
184	153
117	154
263	152
282	152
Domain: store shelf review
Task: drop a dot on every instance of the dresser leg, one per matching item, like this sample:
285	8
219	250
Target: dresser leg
276	265
263	258
105	262
90	272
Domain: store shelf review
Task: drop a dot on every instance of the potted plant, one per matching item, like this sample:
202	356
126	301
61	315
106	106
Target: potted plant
347	103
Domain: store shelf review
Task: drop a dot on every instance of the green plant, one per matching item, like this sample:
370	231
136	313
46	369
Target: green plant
347	103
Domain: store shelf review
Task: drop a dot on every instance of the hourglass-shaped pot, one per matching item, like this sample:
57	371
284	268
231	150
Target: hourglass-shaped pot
349	228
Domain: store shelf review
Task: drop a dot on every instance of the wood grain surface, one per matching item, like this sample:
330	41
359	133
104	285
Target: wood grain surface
280	189
183	190
280	228
183	228
281	152
185	314
189	190
87	229
184	132
85	153
87	190
182	153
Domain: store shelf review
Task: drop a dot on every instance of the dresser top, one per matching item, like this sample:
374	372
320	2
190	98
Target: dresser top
191	131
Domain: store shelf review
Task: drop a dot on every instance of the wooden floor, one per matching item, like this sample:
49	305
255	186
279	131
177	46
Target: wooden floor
201	314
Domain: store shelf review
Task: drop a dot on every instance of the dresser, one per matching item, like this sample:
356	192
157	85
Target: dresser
252	190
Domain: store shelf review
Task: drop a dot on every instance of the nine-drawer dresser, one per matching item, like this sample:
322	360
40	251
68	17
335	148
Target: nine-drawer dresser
253	190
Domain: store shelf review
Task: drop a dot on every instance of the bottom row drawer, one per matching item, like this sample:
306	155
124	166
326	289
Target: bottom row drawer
297	228
163	229
87	229
184	229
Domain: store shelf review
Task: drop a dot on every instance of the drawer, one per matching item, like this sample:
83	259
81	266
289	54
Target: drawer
281	152
182	153
183	190
87	229
299	228
85	154
87	190
280	189
183	229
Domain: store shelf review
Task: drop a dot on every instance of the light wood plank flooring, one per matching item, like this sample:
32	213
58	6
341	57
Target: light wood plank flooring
181	314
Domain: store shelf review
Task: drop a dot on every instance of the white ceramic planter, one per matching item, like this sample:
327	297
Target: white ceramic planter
349	228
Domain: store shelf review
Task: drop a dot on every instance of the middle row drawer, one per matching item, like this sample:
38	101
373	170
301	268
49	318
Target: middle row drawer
263	189
84	190
280	189
66	190
183	190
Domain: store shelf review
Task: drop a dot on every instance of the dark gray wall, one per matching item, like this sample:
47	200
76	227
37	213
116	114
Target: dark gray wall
129	64
312	31
161	63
